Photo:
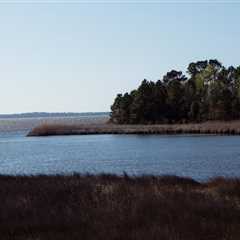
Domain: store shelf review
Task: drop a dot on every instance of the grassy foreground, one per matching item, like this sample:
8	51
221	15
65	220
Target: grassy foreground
118	207
211	127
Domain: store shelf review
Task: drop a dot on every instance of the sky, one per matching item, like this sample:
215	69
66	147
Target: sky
75	56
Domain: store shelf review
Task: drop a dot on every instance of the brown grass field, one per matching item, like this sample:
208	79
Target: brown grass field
118	207
211	127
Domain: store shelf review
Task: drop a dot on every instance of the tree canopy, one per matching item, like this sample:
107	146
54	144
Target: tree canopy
210	91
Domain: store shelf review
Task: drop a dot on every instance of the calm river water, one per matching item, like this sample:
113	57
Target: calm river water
200	157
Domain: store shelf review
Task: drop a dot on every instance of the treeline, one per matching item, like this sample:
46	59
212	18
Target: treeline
209	92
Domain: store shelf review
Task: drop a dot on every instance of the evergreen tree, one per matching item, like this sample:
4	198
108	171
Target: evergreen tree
211	92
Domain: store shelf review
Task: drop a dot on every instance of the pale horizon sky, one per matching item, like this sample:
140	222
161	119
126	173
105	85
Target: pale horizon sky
75	57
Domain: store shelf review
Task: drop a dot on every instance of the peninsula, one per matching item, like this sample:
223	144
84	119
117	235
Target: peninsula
207	101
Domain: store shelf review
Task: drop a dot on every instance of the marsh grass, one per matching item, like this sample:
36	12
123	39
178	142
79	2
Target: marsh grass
118	207
227	128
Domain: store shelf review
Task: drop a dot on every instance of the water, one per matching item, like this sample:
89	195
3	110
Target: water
200	157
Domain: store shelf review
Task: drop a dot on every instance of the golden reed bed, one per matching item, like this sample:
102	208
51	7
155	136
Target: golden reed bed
228	128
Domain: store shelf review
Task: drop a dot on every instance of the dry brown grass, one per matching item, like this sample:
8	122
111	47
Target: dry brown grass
231	128
118	207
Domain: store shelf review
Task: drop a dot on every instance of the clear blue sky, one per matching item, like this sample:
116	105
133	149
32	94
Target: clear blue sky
76	57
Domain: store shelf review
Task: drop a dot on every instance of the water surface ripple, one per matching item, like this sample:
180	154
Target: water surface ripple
200	157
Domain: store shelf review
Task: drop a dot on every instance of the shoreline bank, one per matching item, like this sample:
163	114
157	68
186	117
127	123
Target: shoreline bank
221	128
118	207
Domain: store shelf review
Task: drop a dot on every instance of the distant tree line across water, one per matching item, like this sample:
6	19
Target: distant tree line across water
209	92
53	114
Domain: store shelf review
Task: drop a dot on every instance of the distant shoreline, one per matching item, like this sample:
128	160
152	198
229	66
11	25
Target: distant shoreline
211	127
51	114
27	123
